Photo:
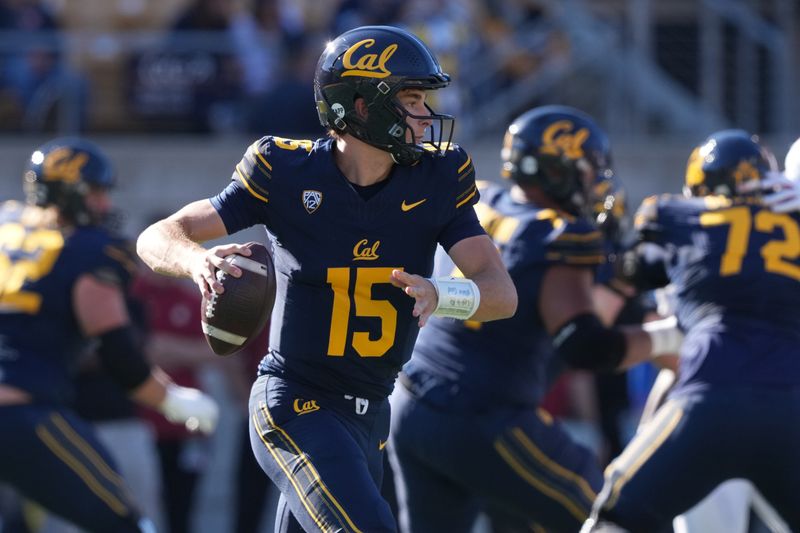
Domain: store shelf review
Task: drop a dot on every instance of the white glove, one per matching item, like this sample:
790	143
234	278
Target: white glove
190	407
665	336
784	193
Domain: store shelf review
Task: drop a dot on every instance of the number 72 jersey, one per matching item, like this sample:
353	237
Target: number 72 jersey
736	270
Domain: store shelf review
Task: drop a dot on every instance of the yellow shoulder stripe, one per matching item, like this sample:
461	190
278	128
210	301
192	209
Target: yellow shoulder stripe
596	259
468	198
246	183
579	237
465	165
586	260
254	147
120	257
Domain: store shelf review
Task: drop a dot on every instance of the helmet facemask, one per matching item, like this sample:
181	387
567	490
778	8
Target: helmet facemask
386	124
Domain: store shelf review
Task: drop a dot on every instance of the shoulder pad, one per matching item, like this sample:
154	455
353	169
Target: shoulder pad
573	241
263	158
464	171
110	259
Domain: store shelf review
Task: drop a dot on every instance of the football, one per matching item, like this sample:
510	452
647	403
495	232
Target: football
232	319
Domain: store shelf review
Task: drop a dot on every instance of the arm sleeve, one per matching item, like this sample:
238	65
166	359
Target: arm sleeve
122	356
583	342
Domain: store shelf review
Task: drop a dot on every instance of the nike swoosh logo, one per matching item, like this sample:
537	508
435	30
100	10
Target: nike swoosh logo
382	445
408	207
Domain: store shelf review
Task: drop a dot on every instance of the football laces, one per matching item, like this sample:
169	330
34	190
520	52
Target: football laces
212	302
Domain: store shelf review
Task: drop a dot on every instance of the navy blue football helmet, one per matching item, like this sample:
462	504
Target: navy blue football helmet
725	160
61	173
375	63
560	150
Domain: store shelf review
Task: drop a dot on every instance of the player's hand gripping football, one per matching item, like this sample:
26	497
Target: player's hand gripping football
204	270
190	407
419	288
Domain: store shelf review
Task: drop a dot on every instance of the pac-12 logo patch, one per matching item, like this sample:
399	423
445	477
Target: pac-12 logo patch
312	200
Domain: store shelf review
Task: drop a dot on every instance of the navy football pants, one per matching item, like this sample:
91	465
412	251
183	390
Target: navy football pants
516	463
698	440
325	454
52	457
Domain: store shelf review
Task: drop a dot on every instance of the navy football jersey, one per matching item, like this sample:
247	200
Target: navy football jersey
505	361
40	340
338	323
737	277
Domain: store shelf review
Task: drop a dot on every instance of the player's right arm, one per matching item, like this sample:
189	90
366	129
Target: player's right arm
579	336
172	246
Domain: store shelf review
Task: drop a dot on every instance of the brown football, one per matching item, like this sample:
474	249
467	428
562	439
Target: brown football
237	316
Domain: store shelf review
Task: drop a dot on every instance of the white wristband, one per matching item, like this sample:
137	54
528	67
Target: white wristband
458	297
665	336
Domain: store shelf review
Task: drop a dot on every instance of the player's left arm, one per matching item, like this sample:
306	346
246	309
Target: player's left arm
101	311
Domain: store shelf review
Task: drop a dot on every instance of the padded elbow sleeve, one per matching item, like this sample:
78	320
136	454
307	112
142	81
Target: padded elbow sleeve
123	357
585	343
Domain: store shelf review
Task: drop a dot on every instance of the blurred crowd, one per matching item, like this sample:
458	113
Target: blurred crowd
231	65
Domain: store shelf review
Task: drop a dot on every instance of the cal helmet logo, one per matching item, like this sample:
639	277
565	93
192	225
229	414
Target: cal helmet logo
745	171
63	165
362	251
368	65
312	200
558	139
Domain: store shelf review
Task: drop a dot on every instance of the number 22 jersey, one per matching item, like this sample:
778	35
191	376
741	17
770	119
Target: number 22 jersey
338	323
40	340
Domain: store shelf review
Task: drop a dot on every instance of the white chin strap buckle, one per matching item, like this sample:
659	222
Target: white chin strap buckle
458	297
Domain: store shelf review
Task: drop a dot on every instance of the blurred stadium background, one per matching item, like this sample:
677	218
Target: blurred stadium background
175	90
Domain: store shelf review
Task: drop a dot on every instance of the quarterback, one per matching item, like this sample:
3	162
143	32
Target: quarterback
354	220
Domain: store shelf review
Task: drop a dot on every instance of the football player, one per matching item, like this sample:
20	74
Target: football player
467	432
62	284
354	220
734	267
